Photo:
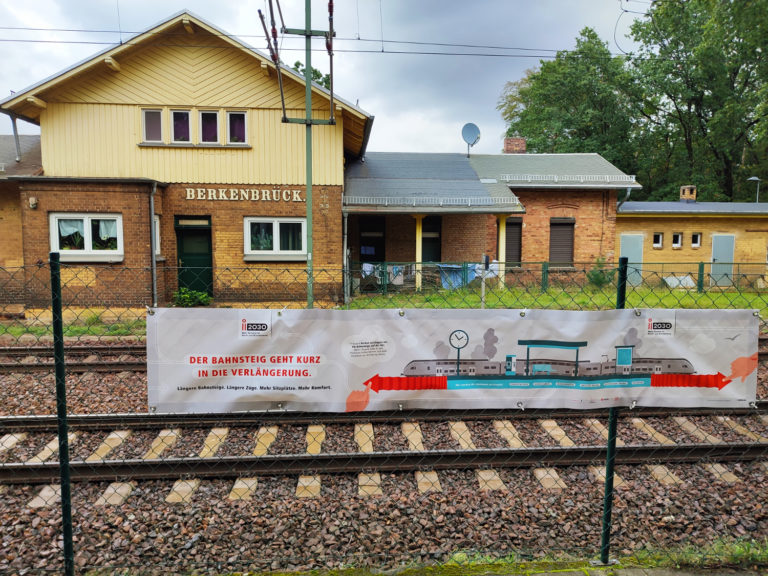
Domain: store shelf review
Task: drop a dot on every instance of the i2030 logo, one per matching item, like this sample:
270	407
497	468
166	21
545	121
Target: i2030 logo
251	328
660	327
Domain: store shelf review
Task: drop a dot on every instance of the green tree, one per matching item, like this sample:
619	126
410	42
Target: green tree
317	77
574	103
690	107
701	65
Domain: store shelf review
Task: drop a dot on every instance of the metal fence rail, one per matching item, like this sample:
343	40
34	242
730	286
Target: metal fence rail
465	489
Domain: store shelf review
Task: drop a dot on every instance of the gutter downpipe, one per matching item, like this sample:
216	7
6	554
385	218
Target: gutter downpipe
152	247
345	259
629	190
16	137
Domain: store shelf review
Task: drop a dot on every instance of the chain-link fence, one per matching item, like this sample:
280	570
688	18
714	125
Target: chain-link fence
461	491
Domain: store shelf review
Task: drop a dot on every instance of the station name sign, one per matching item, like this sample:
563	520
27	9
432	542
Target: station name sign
244	194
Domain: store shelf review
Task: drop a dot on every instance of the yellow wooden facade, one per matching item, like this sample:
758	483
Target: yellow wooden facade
91	116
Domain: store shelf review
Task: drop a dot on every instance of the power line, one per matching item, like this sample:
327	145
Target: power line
244	36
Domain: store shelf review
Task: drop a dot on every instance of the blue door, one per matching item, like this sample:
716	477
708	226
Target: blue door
722	259
631	246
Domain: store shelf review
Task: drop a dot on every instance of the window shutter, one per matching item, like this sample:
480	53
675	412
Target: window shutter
561	242
514	241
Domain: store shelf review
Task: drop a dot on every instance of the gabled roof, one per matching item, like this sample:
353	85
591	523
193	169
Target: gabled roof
556	171
693	208
28	103
30	164
397	182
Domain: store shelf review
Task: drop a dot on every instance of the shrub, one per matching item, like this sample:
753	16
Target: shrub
186	298
600	275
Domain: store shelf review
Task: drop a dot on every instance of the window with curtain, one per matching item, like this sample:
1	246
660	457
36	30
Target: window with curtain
209	127
236	128
180	126
275	238
87	237
153	125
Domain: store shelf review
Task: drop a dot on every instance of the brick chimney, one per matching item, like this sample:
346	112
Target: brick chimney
688	193
514	145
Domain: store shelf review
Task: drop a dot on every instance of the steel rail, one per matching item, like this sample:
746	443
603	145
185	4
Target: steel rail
79	349
74	367
349	463
47	423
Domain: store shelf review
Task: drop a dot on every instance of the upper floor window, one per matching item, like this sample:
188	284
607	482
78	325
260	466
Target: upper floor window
658	239
180	126
209	127
236	128
677	240
87	237
189	127
275	238
152	121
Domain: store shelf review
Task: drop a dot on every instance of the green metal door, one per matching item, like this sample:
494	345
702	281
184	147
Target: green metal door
193	238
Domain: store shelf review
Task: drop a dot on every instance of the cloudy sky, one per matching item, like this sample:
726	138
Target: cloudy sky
423	68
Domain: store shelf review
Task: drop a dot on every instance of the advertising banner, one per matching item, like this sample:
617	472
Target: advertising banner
226	360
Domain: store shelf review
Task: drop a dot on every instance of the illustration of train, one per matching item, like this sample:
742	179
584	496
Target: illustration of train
521	367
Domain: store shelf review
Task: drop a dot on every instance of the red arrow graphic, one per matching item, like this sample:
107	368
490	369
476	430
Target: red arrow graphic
377	383
718	381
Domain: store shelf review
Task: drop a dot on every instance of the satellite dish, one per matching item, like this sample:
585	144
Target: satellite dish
471	135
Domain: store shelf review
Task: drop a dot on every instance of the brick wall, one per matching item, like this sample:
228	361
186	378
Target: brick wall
750	237
227	206
10	226
594	213
126	283
468	237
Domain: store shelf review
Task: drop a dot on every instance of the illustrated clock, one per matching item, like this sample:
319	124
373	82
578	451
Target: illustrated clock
458	339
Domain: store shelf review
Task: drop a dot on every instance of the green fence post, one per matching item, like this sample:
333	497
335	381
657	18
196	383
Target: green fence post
61	415
544	276
383	277
613	418
700	279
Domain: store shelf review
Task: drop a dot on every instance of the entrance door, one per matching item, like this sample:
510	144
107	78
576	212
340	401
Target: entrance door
722	259
631	246
372	242
193	239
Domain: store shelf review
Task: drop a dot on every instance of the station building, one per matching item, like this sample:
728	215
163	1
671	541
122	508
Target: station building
165	162
726	241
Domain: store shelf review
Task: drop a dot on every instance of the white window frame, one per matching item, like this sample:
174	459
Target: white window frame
200	127
275	254
696	240
189	125
677	239
660	242
144	112
88	254
245	127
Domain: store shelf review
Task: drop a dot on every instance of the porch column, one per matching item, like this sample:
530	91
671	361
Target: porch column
419	233
502	247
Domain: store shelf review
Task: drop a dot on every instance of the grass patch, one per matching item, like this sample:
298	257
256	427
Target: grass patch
744	553
555	298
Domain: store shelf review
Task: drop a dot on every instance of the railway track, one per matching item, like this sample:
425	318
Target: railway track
357	463
528	443
94	422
